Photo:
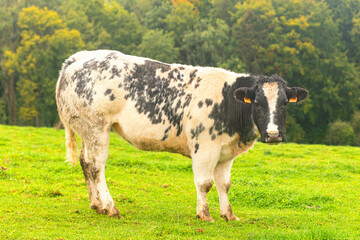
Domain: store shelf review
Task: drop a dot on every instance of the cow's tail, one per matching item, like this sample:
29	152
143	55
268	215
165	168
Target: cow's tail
71	155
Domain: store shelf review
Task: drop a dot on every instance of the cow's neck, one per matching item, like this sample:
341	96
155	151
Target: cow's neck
231	116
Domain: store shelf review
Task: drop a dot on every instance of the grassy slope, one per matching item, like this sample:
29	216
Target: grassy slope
287	191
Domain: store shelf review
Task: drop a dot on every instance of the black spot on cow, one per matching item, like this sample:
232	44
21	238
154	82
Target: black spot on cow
111	56
200	104
104	66
192	76
198	82
231	116
158	65
211	130
213	136
112	97
166	134
120	85
126	66
196	147
154	95
176	75
187	100
195	132
68	62
107	92
115	71
208	102
84	82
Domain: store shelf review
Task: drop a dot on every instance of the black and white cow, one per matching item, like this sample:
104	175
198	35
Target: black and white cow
207	114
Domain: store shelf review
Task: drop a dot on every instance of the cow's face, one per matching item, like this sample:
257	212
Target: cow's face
269	98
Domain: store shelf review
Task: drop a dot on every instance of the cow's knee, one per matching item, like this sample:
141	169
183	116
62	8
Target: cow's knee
204	186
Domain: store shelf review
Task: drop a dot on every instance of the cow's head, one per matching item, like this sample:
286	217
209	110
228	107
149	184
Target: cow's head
269	97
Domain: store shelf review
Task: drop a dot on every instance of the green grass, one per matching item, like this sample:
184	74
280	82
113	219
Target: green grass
286	191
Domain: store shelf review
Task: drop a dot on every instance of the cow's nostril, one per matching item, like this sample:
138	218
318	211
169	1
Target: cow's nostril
273	134
273	137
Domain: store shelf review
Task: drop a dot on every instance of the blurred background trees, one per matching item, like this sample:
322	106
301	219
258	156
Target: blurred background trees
313	44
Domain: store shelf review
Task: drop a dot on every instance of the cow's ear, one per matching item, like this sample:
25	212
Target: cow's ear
296	94
245	95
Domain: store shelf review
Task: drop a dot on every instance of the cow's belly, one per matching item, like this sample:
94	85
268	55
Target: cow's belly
138	130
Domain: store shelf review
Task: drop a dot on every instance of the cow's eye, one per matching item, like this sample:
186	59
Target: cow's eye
257	104
285	104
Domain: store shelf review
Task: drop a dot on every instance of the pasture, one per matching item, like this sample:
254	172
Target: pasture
285	191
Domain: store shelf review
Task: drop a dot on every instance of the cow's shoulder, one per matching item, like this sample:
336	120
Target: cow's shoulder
229	116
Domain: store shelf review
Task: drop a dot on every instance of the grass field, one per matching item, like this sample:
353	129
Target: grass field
287	191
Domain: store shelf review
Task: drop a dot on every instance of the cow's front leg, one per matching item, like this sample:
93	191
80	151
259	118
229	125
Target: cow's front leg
223	182
204	160
93	157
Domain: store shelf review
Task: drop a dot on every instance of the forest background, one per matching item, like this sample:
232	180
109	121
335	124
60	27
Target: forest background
310	43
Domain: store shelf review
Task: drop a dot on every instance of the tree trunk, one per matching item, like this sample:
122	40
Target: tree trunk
8	83
12	100
37	120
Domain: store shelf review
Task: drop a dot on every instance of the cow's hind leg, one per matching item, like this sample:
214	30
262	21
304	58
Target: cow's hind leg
93	156
223	183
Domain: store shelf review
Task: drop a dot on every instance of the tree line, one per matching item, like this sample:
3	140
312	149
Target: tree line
310	43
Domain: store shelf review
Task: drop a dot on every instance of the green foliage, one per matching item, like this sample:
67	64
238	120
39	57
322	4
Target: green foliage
206	43
158	45
287	191
103	24
312	44
222	9
44	45
340	133
155	19
294	132
355	122
181	19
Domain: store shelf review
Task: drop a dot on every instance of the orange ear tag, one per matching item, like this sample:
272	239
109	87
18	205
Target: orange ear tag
247	100
293	100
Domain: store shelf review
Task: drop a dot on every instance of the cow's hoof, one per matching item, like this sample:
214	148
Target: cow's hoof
230	217
114	212
205	218
94	207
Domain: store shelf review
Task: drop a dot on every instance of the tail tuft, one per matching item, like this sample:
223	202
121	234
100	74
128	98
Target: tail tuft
71	155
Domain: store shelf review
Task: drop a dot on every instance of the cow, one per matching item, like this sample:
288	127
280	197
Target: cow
208	114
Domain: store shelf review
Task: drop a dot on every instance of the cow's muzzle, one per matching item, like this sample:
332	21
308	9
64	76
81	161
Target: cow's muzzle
273	137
